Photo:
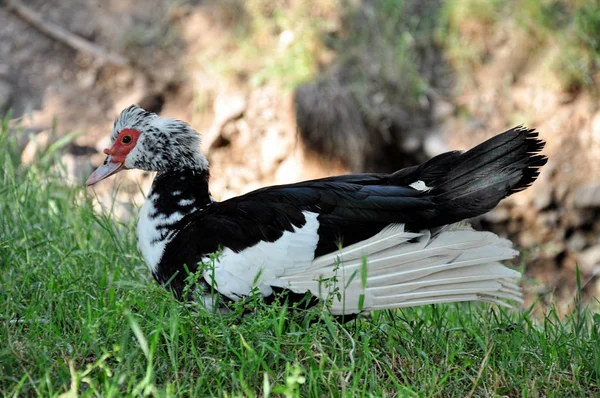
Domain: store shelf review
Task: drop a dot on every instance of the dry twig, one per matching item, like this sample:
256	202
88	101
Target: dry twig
58	33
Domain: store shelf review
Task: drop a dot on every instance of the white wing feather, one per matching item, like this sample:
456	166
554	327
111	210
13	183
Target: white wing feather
456	264
402	268
262	265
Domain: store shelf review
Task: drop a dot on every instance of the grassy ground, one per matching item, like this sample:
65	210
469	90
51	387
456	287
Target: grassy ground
80	315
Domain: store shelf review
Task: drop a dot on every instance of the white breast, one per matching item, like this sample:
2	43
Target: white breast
150	243
264	264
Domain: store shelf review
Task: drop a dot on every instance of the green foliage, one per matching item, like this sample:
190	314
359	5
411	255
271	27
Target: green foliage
464	25
286	42
580	61
380	48
275	41
471	29
79	315
292	56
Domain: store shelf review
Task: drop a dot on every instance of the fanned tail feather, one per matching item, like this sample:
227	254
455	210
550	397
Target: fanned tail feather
406	269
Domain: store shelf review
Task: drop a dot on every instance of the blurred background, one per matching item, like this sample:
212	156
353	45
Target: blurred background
289	90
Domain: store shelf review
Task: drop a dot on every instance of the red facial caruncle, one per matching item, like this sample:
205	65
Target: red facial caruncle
125	142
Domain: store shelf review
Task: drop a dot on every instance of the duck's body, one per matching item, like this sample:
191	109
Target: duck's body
373	240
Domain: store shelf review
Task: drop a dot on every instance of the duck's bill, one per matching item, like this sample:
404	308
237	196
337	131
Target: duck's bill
104	171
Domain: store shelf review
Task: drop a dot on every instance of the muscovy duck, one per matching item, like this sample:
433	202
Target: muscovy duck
363	241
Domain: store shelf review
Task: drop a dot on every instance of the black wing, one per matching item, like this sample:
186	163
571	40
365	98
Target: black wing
355	207
348	213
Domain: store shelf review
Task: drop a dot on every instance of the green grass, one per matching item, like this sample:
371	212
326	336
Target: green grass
79	314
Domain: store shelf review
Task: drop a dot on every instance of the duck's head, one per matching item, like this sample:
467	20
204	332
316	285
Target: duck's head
143	140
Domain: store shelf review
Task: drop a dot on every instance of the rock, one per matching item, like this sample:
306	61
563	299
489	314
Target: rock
87	78
587	196
411	144
268	114
576	218
6	92
228	107
229	131
136	90
596	125
527	239
442	109
588	260
548	219
561	191
543	197
434	145
547	224
552	249
577	242
286	38
124	77
497	215
4	70
288	171
274	148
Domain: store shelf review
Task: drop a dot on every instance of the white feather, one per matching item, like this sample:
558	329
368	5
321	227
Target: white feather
264	264
149	243
420	186
402	268
391	236
456	264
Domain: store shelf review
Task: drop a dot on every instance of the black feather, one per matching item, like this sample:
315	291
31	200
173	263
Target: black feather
352	208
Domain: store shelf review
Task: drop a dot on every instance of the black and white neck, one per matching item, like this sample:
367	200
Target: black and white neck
145	141
173	195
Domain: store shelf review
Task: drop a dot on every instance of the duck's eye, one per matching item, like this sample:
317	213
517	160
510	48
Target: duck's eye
126	139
